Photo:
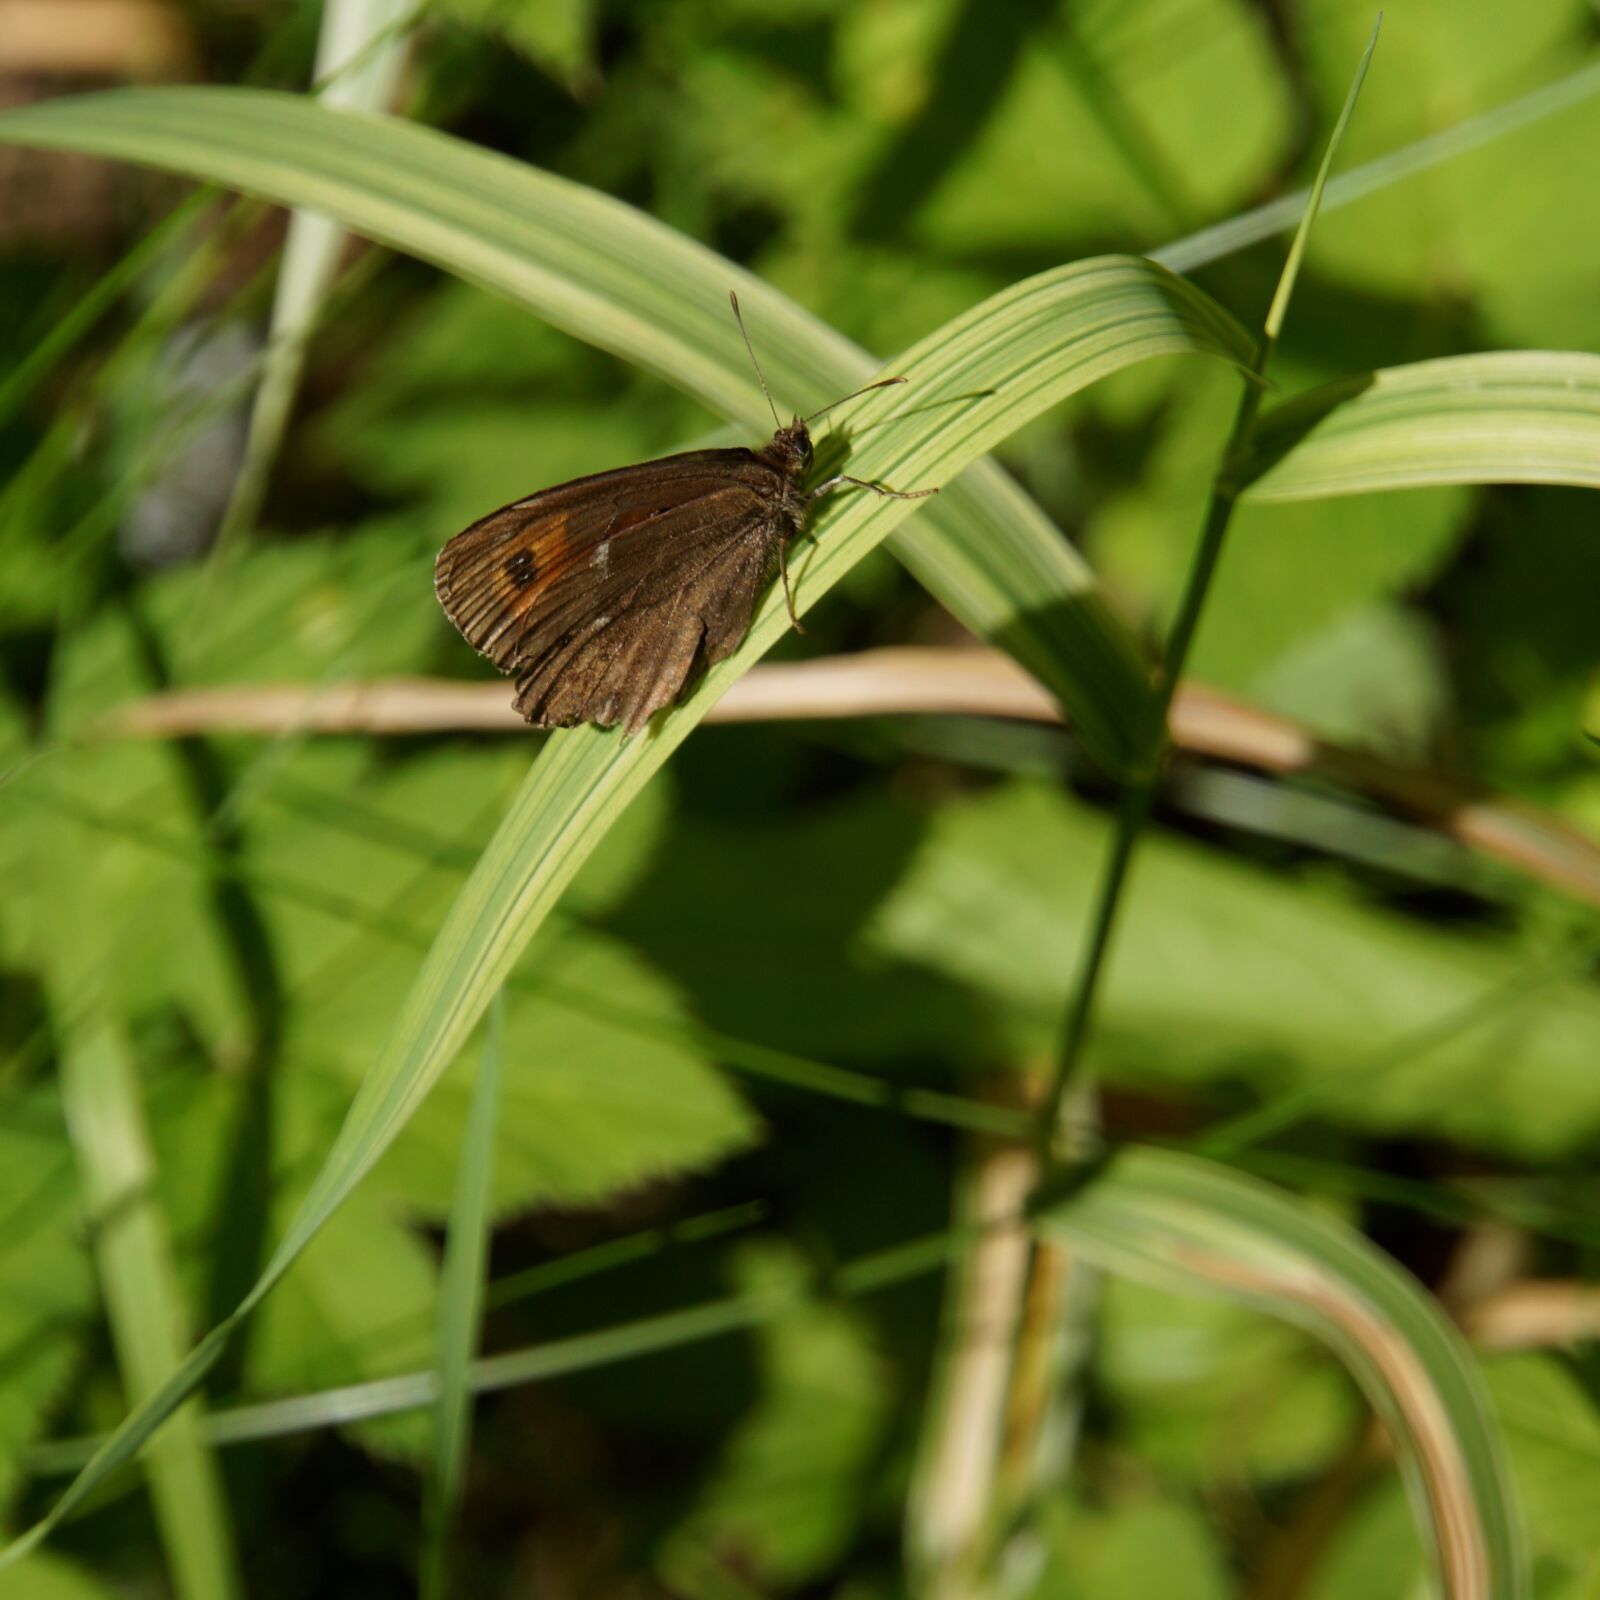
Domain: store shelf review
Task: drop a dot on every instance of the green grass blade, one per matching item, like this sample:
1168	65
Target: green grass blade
1503	417
461	1285
360	52
1281	296
1186	1224
979	378
619	280
138	1281
1223	239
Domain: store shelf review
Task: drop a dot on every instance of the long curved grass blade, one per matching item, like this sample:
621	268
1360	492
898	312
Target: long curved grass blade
620	280
1224	239
1186	1224
1290	274
461	1288
360	52
1515	416
979	378
138	1279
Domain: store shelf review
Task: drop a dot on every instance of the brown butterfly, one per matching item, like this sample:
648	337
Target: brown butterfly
604	596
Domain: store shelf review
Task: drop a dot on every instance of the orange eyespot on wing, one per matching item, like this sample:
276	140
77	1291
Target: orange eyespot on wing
490	578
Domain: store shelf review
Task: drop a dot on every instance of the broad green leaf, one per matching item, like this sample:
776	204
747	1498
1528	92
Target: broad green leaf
1291	569
1095	123
1503	417
1475	239
1263	603
786	1490
1208	1392
1374	678
1373	1554
351	861
1522	639
558	34
47	1577
1547	1414
602	271
356	1306
1182	1223
592	1101
1230	973
1122	1551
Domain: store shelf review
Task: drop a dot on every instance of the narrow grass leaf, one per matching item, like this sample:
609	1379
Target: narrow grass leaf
1224	239
969	385
360	51
1302	234
461	1290
139	1285
1515	416
1186	1224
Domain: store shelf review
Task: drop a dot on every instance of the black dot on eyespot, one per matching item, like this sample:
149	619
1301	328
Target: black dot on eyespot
520	568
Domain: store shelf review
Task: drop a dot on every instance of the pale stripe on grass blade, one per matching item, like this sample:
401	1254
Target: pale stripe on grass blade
461	1286
139	1285
620	280
1514	416
976	380
360	51
1183	1223
1224	239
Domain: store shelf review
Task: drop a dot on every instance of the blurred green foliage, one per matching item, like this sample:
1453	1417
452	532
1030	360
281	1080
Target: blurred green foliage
845	894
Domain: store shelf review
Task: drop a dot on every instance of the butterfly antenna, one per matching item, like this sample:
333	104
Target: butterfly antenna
882	383
733	300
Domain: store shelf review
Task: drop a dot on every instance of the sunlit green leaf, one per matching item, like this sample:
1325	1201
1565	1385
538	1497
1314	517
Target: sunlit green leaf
1505	417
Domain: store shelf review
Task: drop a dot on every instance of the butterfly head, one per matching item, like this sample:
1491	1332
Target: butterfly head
790	449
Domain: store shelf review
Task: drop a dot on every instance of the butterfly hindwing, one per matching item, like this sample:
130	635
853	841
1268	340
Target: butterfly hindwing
626	668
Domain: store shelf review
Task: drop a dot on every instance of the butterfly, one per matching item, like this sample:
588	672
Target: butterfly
604	596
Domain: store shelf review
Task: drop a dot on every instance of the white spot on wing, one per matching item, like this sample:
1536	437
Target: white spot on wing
602	555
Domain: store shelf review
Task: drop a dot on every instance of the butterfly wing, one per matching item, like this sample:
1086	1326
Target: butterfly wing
599	594
625	669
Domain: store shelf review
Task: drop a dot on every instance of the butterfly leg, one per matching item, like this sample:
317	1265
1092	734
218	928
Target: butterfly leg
876	488
788	593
